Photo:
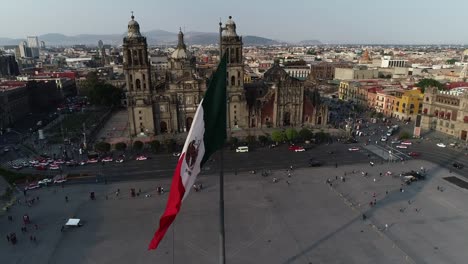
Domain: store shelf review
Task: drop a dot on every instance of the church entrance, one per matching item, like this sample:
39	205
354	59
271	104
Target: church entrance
163	126
286	119
319	120
188	123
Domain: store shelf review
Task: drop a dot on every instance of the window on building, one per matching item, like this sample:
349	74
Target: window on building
235	106
129	57
233	80
141	118
139	112
143	77
138	84
452	126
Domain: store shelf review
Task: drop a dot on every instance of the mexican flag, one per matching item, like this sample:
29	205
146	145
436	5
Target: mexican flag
207	134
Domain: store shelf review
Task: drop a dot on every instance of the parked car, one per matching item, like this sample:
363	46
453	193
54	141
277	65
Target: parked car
176	154
384	138
458	165
16	166
71	163
406	143
54	167
92	161
59	161
401	147
242	149
414	154
41	167
441	145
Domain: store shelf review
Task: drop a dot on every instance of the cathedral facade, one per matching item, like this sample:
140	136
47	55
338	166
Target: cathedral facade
278	100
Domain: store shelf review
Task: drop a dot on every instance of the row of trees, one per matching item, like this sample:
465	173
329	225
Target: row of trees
101	93
290	135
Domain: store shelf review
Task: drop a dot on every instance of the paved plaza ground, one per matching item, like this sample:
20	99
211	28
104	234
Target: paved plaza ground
306	221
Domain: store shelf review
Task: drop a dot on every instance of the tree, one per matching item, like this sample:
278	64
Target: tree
278	136
451	61
233	141
404	135
155	145
306	134
291	134
170	144
120	146
263	139
379	115
321	137
105	94
102	146
424	83
250	139
138	145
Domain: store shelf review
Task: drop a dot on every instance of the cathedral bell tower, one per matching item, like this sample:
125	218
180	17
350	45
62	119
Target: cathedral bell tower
231	44
138	79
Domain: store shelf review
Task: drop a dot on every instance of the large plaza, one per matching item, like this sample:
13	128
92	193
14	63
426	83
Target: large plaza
305	221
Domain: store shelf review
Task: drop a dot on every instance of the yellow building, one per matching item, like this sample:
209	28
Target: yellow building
408	104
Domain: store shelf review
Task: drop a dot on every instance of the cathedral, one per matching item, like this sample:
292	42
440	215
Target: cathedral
278	100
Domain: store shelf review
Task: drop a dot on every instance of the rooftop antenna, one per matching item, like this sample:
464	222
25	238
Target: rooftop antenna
132	15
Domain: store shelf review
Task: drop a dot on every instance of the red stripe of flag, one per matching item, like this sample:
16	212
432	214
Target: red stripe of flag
172	207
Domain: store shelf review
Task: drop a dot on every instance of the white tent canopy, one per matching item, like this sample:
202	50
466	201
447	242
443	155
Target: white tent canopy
73	222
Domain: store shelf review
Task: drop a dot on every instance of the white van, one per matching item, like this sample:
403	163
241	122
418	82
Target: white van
242	149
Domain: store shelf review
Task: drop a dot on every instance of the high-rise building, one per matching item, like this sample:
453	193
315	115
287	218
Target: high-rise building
23	50
33	43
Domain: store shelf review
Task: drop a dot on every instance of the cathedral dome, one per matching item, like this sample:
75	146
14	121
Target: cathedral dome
230	30
181	50
133	29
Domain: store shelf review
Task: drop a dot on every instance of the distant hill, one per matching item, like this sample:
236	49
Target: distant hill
310	42
154	37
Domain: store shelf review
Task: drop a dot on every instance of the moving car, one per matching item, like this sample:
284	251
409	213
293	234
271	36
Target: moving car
59	161
296	148
92	161
401	147
384	138
414	154
60	178
242	149
32	186
458	165
354	149
6	149
107	159
141	157
406	143
441	145
44	181
315	163
176	154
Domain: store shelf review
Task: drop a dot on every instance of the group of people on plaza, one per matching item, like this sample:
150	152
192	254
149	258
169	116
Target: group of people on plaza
12	238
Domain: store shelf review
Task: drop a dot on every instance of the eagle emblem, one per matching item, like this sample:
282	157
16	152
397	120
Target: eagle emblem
192	153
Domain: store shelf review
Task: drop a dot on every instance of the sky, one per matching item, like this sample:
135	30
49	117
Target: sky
329	21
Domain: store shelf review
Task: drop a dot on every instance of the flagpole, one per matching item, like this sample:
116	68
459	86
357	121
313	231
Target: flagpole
222	246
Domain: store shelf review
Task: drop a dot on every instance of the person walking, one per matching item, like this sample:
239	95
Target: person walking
66	199
8	238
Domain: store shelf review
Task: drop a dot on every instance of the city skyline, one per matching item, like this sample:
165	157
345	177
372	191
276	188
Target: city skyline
338	22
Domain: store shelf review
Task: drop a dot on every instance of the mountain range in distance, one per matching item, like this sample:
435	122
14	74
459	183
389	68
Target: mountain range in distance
154	37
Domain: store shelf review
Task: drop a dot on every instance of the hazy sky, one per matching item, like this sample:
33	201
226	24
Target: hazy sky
330	21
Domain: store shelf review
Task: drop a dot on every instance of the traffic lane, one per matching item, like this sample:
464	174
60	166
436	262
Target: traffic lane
262	158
